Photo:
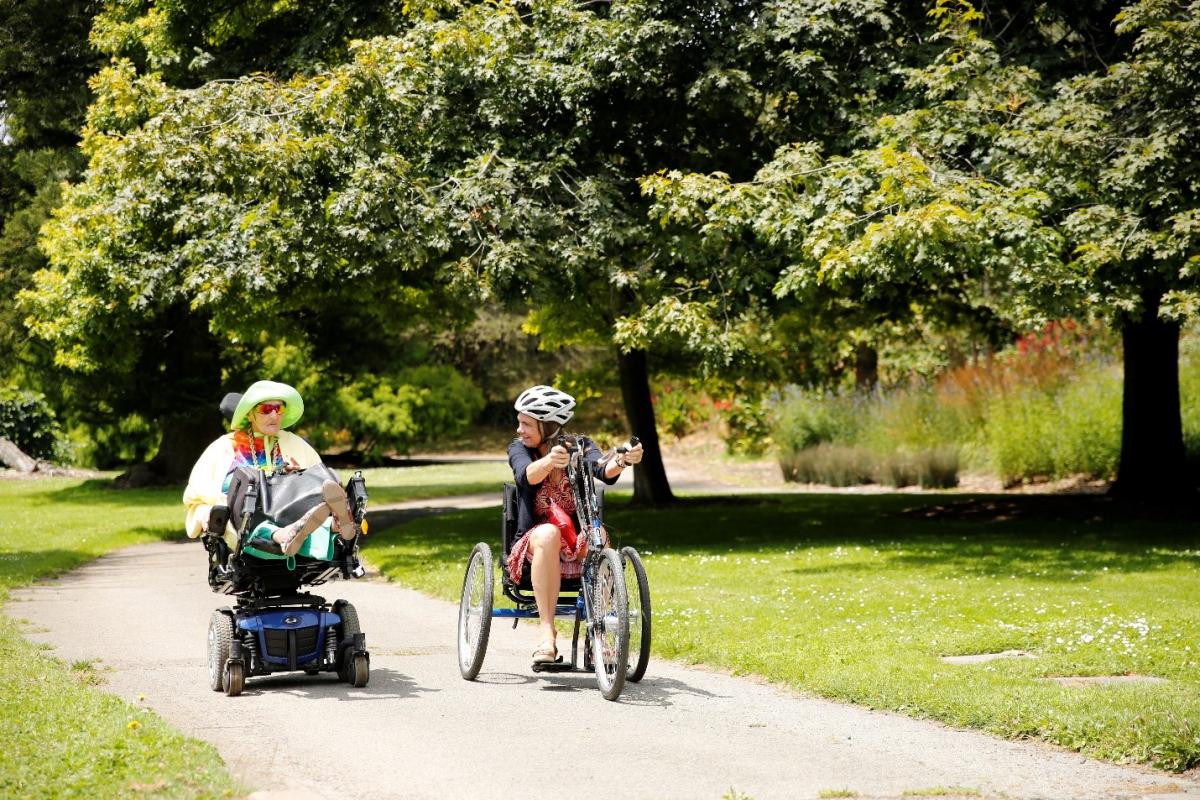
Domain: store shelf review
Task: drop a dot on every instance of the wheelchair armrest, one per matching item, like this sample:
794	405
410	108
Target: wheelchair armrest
356	493
218	518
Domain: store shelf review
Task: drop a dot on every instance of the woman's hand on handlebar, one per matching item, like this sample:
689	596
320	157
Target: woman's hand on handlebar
633	455
558	456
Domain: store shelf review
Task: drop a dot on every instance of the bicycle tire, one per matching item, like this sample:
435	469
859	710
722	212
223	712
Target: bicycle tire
475	612
608	631
637	588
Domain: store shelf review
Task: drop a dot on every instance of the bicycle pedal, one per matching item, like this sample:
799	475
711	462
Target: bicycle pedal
551	666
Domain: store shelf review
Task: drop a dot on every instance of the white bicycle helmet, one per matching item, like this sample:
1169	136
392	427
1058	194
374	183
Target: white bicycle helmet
546	404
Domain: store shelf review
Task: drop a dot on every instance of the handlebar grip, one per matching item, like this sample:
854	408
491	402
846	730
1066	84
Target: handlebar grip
633	442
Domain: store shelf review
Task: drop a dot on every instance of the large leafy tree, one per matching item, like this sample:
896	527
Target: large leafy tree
43	97
485	149
1006	192
129	341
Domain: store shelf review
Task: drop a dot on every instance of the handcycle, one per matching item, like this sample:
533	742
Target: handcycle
611	597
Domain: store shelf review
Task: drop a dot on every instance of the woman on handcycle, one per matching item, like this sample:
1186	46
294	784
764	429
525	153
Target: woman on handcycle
547	537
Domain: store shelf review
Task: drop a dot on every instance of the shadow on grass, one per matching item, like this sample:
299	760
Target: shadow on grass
19	567
22	567
1045	538
102	491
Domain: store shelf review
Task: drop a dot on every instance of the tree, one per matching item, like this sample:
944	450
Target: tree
997	191
43	97
487	148
115	329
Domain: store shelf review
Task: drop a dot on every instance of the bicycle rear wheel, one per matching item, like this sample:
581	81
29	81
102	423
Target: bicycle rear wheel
637	588
475	612
608	630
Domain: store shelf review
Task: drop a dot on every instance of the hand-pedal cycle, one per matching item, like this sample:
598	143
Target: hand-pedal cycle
610	601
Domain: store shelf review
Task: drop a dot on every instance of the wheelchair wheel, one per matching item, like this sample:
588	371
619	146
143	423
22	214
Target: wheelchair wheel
350	627
220	638
475	612
608	632
637	589
235	678
358	670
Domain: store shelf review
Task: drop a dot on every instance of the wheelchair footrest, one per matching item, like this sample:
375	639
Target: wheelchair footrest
553	666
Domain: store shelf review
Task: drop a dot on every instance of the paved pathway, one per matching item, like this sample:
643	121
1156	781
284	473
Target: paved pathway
419	731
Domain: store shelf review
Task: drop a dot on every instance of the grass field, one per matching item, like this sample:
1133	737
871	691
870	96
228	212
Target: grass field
848	596
63	737
856	597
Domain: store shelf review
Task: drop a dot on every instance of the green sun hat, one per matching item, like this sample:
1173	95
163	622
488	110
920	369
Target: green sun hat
261	392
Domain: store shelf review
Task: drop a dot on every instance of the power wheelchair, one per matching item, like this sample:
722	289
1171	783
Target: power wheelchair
610	601
274	627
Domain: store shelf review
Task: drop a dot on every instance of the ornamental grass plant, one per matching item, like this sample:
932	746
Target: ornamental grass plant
1048	408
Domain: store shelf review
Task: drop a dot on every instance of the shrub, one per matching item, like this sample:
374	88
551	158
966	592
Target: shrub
1049	407
746	424
27	420
828	464
937	468
1189	394
131	439
394	412
1072	430
679	411
806	419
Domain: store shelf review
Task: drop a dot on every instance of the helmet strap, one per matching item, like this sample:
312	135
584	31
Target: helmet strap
548	429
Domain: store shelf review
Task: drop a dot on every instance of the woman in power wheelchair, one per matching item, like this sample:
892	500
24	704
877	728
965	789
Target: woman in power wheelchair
273	518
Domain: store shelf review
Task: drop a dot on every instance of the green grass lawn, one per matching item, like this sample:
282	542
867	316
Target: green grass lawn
856	597
848	596
398	484
63	737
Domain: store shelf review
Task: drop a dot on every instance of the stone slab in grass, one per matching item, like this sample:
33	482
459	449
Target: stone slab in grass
1099	680
979	658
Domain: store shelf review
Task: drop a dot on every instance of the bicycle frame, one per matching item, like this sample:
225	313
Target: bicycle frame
587	509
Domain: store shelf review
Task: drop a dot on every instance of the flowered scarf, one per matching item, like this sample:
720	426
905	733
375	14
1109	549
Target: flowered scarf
248	451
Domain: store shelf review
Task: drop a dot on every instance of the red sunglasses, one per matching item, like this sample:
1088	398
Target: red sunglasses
271	408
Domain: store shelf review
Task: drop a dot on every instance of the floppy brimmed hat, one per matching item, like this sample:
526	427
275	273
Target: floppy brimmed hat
262	391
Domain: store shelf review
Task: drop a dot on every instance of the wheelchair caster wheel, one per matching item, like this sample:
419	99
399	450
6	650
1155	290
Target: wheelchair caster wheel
357	670
235	678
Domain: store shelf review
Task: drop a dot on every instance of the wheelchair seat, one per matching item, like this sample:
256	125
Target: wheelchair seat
237	572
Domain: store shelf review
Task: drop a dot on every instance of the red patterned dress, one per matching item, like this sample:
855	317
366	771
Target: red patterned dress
555	489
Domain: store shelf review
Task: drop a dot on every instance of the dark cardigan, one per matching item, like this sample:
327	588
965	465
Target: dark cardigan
520	457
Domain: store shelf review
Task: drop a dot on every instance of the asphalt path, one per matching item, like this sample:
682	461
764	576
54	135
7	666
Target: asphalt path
418	730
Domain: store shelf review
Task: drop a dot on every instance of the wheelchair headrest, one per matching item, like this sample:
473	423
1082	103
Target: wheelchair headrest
229	404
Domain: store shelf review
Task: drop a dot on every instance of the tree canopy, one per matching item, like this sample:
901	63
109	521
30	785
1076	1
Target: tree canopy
685	183
1001	192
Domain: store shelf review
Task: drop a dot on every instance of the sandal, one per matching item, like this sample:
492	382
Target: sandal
299	530
545	654
335	498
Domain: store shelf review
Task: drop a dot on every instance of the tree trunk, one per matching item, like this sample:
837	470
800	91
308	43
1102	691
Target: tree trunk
1153	464
13	456
866	368
182	355
650	485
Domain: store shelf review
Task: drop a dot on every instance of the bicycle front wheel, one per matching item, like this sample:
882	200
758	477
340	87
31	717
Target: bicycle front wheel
608	630
475	612
637	588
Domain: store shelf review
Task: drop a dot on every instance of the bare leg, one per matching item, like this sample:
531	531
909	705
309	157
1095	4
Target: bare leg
546	576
